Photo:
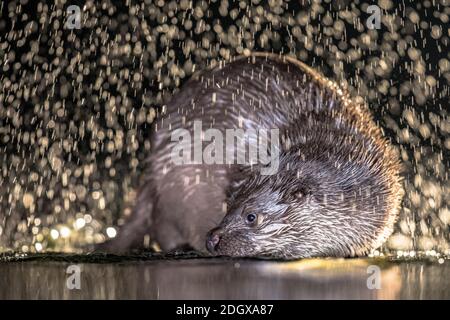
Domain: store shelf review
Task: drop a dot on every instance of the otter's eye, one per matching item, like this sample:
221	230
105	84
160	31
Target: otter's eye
251	218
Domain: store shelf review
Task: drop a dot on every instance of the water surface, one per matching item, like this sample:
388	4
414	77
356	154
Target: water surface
192	277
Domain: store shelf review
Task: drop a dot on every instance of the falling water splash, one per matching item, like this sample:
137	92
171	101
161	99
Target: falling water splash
76	105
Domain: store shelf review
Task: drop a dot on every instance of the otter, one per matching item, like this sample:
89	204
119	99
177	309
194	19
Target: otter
336	190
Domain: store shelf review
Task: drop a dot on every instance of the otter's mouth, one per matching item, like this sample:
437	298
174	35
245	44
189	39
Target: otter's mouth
219	242
213	239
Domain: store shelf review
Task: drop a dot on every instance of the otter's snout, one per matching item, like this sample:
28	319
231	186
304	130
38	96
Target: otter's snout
213	239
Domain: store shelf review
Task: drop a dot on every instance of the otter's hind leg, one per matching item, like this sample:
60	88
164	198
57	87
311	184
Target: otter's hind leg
131	234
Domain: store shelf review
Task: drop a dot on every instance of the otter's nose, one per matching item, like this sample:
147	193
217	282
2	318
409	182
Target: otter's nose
213	239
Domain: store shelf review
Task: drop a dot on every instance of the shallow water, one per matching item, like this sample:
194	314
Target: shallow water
192	277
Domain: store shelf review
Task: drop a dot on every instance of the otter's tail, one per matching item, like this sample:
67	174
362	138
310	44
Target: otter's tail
132	234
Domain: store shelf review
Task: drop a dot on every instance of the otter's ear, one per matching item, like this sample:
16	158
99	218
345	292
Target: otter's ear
301	193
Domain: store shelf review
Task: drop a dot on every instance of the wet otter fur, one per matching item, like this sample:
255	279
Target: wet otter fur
337	190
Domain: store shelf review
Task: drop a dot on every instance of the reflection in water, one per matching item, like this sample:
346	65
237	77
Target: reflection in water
227	279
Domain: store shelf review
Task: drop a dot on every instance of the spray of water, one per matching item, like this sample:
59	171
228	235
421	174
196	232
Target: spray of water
76	103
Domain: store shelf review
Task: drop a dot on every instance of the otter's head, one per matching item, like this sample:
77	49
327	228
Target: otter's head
272	216
315	209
